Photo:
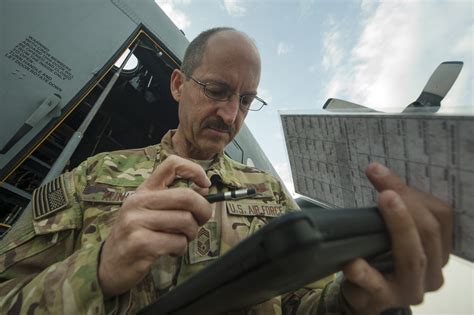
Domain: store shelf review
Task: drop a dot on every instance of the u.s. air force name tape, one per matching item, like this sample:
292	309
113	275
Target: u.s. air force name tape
254	209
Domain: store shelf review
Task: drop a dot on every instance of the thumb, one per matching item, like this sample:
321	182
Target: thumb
173	167
382	178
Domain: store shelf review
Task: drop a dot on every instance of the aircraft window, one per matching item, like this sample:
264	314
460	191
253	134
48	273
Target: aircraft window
250	162
132	63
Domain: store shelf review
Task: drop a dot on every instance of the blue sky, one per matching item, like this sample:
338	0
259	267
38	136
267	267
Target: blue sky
376	53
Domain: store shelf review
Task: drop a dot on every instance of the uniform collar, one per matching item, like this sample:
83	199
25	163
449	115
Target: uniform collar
222	169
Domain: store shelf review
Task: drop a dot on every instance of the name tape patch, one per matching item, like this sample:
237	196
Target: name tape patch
254	209
118	196
102	194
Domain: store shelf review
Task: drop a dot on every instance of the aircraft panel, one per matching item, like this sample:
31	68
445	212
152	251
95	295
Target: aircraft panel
62	50
158	23
38	54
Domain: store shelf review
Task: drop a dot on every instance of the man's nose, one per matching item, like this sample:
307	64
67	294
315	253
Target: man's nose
228	110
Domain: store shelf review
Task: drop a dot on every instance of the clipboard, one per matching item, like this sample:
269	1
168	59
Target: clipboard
289	252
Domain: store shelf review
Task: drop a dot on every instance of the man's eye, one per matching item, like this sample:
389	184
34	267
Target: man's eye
217	91
247	100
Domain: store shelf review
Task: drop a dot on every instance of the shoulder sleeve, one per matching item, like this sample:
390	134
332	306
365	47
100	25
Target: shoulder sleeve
283	196
43	269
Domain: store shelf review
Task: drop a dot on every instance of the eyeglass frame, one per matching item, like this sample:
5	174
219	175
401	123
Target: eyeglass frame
243	107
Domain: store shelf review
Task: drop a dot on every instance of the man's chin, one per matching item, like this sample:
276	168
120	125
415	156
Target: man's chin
213	147
213	140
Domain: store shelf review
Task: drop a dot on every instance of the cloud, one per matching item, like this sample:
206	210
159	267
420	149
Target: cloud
306	7
457	97
234	8
367	5
284	48
399	46
332	41
265	94
178	17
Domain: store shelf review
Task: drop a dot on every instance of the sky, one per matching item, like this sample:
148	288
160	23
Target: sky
376	53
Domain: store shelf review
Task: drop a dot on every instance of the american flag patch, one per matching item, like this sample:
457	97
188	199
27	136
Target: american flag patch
49	198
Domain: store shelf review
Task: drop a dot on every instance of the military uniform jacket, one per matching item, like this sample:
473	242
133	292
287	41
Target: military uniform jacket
49	259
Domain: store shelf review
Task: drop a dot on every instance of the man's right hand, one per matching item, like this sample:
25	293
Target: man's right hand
153	222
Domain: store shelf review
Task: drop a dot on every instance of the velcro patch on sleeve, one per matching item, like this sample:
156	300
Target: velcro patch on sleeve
49	198
250	209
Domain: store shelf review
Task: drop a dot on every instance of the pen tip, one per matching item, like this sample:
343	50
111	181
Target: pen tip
251	191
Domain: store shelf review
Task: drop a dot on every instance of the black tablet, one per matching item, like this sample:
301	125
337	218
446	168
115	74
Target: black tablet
286	254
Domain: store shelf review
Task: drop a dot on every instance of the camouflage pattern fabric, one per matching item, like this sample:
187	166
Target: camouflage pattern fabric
49	259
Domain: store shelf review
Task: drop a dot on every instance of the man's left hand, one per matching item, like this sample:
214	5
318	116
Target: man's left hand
420	228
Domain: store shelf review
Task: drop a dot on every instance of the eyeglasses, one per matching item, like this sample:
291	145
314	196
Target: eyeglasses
221	92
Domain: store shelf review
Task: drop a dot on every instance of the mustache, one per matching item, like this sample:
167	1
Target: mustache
218	123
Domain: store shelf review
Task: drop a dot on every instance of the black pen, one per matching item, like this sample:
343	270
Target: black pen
232	194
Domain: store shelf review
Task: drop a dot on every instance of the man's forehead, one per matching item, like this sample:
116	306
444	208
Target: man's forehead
232	40
230	57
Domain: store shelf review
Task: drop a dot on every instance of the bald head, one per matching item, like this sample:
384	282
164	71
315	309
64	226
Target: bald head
195	52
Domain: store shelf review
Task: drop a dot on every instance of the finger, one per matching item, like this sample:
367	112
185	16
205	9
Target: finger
434	220
170	244
146	246
382	178
141	248
429	230
442	224
409	258
173	167
447	233
203	191
431	224
175	222
356	296
372	282
173	199
433	235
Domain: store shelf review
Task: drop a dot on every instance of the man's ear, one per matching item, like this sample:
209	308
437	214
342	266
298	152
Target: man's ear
176	84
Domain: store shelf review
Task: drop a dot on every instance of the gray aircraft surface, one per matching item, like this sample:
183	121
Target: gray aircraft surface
65	96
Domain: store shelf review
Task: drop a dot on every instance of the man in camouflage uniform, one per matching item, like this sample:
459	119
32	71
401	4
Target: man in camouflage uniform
125	227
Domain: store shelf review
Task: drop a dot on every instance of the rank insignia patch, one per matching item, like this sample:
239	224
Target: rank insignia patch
203	241
206	245
49	198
